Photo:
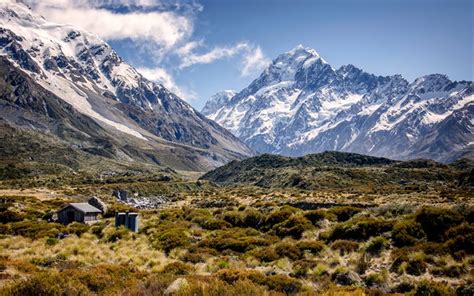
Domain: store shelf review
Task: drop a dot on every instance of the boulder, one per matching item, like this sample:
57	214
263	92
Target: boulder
175	286
98	203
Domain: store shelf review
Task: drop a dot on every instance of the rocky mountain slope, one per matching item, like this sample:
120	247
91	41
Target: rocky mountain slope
300	104
71	85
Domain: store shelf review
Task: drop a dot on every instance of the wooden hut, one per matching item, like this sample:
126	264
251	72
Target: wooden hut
78	212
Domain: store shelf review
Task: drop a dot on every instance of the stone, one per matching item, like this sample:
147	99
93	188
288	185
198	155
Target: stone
98	203
175	286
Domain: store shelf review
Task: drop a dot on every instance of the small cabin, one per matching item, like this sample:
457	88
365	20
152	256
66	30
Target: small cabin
78	212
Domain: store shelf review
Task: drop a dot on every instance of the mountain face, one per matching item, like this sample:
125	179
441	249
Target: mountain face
300	104
72	85
216	102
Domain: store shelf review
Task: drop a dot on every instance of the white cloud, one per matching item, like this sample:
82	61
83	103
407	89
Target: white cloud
161	76
254	62
190	58
164	28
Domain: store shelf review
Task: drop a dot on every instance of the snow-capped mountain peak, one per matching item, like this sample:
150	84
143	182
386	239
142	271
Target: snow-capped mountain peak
300	104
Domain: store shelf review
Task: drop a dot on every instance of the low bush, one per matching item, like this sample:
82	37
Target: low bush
316	216
461	238
374	280
360	229
376	245
178	268
432	289
465	289
452	271
289	250
265	254
283	283
407	233
294	226
436	221
278	216
344	213
236	239
312	246
34	229
46	283
344	246
171	239
77	228
117	234
413	265
8	216
301	267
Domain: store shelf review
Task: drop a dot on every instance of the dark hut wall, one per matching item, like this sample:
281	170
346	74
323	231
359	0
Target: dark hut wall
63	214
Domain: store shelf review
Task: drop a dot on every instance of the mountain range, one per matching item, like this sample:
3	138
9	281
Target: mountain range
69	88
300	104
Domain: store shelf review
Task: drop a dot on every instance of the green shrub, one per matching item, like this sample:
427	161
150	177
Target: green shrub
8	216
283	283
344	213
376	245
178	268
426	288
235	218
461	238
51	241
265	254
118	234
435	221
231	276
407	233
345	246
34	229
294	226
214	224
413	266
278	216
316	216
289	250
465	289
171	239
374	280
312	246
51	283
452	271
360	229
301	267
236	239
253	218
77	228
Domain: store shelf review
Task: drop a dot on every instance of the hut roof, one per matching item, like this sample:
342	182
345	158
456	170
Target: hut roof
83	207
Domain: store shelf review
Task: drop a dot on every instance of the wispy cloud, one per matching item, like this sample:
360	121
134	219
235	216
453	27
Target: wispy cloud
161	76
254	62
216	53
253	58
162	27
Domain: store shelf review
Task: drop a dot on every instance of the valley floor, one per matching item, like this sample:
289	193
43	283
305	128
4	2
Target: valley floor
236	240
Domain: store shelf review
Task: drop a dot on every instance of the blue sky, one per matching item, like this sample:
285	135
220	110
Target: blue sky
198	48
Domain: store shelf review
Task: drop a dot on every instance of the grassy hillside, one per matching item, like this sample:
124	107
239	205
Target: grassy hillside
343	171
